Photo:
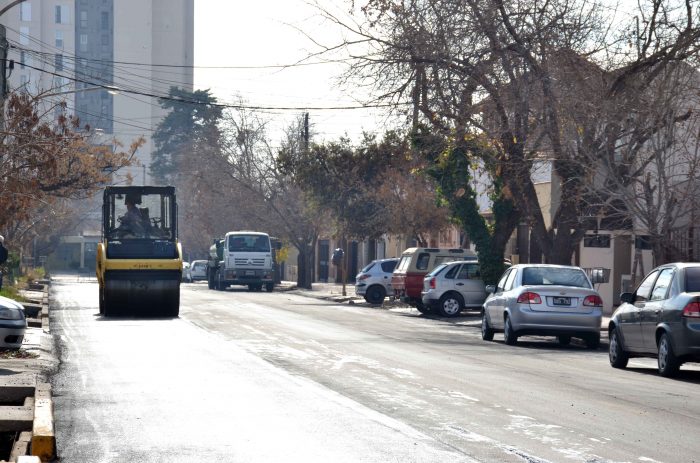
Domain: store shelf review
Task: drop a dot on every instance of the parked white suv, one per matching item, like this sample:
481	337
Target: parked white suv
454	286
374	281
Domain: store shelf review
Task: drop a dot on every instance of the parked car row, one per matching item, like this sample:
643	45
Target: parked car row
660	319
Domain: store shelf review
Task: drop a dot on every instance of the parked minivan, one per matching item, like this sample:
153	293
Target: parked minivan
415	263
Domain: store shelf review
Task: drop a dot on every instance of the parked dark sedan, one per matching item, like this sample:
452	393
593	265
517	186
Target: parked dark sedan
660	319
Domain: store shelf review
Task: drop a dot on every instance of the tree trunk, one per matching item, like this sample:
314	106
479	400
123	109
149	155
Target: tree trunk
305	267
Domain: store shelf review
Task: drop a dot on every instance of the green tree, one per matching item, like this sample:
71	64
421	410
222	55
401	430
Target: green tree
451	165
193	120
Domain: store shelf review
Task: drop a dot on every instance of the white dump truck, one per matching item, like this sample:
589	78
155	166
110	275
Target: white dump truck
241	258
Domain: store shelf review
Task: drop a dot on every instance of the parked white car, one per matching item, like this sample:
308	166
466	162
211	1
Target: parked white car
186	275
198	270
374	281
452	287
13	323
544	300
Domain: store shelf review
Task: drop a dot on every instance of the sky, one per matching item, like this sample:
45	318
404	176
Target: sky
274	32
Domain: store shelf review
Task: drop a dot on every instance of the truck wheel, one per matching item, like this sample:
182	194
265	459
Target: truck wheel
269	287
422	308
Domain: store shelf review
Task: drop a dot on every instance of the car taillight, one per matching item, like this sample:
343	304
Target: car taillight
595	301
692	310
529	298
432	283
364	276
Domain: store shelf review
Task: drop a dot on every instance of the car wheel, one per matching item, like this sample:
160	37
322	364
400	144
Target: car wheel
450	305
564	340
375	294
486	330
509	336
269	287
592	341
618	356
668	362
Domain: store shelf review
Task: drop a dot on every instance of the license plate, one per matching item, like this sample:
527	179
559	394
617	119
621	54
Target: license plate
250	272
561	300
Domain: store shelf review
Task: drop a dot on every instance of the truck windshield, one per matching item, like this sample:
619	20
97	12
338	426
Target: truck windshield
249	243
139	216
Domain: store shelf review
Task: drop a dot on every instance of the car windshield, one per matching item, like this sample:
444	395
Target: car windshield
437	270
692	279
138	216
558	276
367	268
248	243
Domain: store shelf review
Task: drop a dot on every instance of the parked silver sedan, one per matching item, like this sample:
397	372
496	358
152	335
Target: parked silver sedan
660	319
545	300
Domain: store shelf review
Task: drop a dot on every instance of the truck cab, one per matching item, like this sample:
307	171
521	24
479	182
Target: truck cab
241	258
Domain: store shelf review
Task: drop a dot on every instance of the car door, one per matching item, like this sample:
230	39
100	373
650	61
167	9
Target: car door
387	270
470	285
631	317
650	314
496	303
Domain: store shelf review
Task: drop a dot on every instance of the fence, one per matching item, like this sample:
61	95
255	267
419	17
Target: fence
686	244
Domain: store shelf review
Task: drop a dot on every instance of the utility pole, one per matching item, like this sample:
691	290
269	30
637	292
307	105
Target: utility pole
306	131
3	69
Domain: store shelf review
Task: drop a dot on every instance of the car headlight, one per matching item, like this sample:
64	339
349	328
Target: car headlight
7	313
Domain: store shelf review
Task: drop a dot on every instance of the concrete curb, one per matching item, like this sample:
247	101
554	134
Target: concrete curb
43	444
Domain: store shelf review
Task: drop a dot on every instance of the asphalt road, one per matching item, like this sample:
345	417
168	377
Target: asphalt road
258	377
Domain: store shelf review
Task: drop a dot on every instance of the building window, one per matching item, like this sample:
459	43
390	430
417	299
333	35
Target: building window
24	35
22	58
105	40
58	62
61	14
59	39
596	241
83	42
104	20
23	81
25	11
83	19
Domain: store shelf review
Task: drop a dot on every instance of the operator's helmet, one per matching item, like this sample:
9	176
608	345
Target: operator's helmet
133	198
2	239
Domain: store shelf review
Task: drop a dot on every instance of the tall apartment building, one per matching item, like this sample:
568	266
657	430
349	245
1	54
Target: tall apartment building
71	49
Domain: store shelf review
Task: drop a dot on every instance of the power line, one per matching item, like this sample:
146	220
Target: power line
300	63
217	105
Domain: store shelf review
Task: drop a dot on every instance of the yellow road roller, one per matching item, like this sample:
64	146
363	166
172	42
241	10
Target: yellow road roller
139	260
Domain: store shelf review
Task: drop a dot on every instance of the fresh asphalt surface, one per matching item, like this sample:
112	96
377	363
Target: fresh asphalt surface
259	377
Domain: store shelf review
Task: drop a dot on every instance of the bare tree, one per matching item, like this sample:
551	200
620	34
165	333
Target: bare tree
490	67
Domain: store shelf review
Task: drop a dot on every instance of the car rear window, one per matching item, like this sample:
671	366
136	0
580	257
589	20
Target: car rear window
437	270
403	264
423	261
557	276
692	279
367	268
389	266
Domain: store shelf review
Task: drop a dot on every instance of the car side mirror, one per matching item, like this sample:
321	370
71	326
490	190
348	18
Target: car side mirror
627	298
490	289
